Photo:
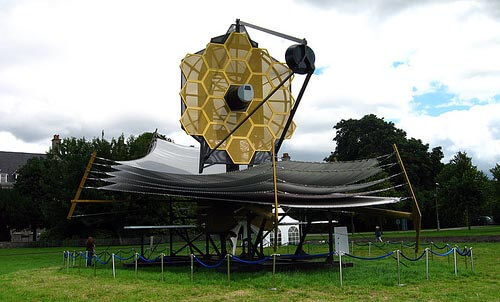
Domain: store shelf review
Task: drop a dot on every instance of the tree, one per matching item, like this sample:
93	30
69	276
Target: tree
371	136
15	212
462	190
494	194
50	183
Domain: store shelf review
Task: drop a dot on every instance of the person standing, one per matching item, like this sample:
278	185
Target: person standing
90	248
378	234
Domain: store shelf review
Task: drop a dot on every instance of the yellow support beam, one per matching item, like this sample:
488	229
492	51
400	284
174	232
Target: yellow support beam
416	214
276	205
383	212
82	184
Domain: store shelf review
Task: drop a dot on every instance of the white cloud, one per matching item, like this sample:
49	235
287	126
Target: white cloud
77	67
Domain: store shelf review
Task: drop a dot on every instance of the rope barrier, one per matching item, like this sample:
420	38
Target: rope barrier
443	254
99	260
148	260
370	258
465	252
210	266
124	258
260	261
412	259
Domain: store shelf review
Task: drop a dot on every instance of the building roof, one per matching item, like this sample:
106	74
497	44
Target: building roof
10	162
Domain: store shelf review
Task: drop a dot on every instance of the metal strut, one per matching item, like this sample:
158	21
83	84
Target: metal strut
292	113
416	214
272	32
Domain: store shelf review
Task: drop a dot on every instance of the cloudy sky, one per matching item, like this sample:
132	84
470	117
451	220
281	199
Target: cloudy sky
76	67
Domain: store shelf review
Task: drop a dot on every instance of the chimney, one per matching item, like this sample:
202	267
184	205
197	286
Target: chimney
56	141
286	157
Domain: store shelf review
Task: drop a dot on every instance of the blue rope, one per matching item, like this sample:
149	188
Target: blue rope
147	260
370	258
84	255
442	255
412	259
100	261
465	252
252	262
210	266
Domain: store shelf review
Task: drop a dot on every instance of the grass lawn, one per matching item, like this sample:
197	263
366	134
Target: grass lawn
38	275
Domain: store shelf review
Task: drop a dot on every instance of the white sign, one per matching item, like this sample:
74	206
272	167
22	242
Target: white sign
341	240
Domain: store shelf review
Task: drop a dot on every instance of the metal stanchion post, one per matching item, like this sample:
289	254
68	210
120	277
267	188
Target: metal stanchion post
274	272
67	262
162	255
399	267
369	248
427	263
471	261
74	258
86	258
136	256
192	267
95	264
340	268
228	256
113	263
455	259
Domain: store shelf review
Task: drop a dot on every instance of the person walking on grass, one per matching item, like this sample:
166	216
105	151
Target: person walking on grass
378	234
90	248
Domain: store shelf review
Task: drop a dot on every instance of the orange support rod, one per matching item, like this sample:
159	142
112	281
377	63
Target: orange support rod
82	184
417	215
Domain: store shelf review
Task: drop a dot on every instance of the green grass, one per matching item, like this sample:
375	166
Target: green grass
38	275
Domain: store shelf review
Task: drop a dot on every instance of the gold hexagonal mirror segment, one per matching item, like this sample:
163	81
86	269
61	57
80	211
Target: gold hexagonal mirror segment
291	130
261	137
263	115
193	67
216	56
238	45
281	101
216	83
259	60
277	73
233	119
238	72
261	86
216	110
240	150
193	94
277	124
194	121
214	135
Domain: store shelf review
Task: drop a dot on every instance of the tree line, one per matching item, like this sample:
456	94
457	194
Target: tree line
460	192
41	197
